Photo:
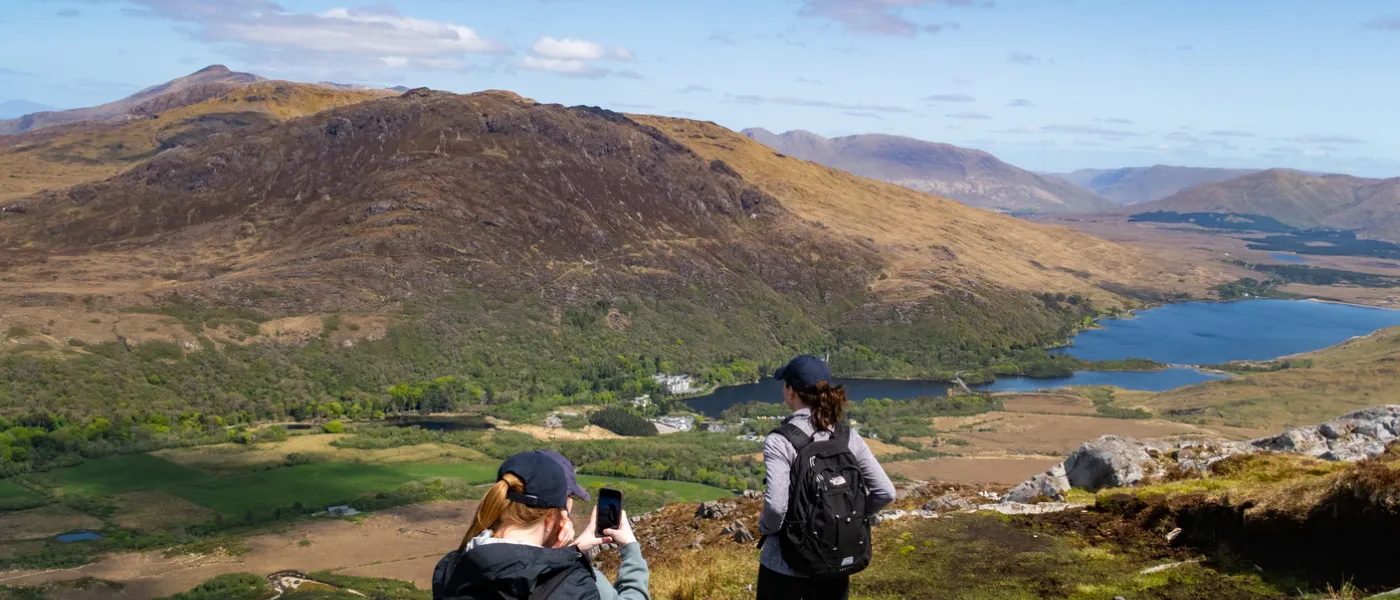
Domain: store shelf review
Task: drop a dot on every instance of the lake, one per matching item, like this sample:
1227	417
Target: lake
1208	333
1293	258
1190	333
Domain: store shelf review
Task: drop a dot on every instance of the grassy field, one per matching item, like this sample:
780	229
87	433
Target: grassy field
232	493
13	496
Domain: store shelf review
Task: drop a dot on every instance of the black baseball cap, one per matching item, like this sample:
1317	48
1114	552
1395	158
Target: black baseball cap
549	479
803	372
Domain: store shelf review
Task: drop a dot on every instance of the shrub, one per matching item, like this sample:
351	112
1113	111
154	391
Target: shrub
622	422
334	427
233	586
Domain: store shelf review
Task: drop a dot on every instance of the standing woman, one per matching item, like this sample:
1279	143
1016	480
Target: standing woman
816	511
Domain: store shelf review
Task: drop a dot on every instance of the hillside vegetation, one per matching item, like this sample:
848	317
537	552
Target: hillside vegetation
1369	206
432	252
970	176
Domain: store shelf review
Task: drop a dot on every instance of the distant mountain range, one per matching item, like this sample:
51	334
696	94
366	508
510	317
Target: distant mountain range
1369	206
11	109
1134	185
969	176
209	82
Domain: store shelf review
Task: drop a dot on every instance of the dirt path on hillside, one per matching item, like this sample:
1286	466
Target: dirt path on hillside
402	543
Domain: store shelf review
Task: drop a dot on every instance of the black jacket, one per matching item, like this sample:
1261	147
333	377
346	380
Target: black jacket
505	571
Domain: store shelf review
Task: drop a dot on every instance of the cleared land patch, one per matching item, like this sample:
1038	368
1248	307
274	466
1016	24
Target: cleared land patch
155	510
317	448
44	522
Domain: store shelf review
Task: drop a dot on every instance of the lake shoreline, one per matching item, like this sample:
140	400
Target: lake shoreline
1187	341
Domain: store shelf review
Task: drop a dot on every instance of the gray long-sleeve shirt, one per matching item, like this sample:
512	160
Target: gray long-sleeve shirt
778	456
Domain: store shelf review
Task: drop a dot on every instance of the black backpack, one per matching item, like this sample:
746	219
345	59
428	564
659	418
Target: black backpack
826	532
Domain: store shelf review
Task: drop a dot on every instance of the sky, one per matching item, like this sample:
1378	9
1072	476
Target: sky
1048	85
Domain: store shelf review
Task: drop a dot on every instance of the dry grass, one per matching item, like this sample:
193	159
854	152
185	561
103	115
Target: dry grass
157	510
589	432
44	522
1357	374
935	241
317	447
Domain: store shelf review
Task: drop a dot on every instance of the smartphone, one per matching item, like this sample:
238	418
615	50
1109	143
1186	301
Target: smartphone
609	510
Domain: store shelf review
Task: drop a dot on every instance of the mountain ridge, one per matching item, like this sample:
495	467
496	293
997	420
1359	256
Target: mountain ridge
1369	206
210	82
1135	185
971	176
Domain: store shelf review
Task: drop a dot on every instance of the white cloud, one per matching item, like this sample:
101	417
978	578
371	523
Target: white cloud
575	58
571	49
269	35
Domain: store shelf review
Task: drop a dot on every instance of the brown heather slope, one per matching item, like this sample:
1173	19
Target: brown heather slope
935	244
689	242
1370	206
210	82
75	153
415	195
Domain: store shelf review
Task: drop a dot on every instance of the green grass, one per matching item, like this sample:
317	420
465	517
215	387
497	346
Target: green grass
14	497
687	491
313	485
121	474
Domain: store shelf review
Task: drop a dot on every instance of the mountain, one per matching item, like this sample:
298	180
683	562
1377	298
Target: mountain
209	82
973	177
11	109
1134	185
86	151
530	249
1369	206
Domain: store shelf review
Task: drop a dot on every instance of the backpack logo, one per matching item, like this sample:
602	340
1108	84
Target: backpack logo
848	561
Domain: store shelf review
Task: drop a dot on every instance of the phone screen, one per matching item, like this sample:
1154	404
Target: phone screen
609	510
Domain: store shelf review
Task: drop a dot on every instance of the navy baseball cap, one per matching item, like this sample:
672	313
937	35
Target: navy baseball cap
546	481
803	372
575	489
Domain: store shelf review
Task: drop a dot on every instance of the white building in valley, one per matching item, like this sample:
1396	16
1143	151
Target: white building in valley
676	385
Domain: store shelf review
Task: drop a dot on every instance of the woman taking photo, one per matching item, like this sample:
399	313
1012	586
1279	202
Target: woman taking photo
821	489
521	546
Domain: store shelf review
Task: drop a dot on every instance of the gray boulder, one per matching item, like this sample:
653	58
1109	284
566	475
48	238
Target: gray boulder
949	503
738	532
714	509
1110	461
1301	440
1351	437
1051	484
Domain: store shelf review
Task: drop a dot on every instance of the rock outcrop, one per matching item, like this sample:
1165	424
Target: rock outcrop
1110	461
714	509
1352	437
1114	461
1051	484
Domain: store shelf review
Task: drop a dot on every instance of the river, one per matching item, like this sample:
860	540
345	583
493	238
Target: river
1190	333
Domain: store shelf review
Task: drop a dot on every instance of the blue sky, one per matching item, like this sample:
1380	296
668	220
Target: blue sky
1045	84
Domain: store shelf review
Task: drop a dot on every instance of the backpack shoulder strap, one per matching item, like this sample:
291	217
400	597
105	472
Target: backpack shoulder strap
795	436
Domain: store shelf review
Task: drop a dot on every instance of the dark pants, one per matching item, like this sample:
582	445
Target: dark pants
773	585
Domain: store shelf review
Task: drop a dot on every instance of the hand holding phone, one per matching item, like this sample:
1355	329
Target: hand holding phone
609	511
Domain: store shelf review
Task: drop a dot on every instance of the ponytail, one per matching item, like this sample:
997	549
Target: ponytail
496	510
828	404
